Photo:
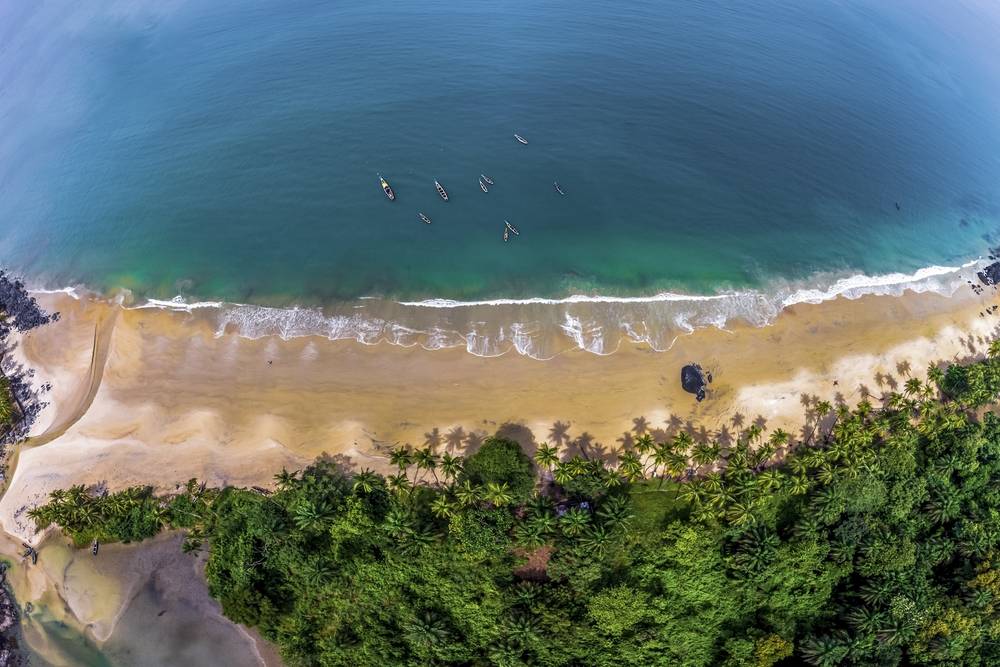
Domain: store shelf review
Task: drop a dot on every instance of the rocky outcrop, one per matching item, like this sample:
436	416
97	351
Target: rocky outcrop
10	653
19	312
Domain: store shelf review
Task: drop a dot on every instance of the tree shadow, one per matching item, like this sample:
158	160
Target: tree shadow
580	446
454	439
903	368
640	425
473	441
520	434
559	433
432	438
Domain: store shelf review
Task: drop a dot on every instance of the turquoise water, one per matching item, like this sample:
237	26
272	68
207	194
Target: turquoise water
229	150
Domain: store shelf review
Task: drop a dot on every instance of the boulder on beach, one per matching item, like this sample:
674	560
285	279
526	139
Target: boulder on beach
693	381
990	275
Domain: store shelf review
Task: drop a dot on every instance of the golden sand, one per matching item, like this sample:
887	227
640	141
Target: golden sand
148	396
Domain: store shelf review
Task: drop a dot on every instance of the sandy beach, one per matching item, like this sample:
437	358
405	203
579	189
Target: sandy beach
152	396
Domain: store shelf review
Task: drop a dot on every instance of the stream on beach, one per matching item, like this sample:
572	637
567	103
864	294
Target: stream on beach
138	605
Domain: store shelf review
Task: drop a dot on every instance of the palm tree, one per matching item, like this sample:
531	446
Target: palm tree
398	523
467	494
311	516
690	493
284	480
644	443
563	473
799	485
451	466
426	460
399	482
365	481
683	443
772	480
739	513
498	494
779	438
616	512
529	535
993	351
441	507
630	466
547	456
934	374
826	651
401	457
913	387
543	523
596	540
574	521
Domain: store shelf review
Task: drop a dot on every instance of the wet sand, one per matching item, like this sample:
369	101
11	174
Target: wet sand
148	396
132	605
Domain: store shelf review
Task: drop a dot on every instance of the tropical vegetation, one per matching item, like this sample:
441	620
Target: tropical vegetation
873	538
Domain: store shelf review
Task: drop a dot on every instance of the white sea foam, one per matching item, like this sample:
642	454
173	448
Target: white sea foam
541	328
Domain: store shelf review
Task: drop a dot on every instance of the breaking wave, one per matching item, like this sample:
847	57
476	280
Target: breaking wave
542	328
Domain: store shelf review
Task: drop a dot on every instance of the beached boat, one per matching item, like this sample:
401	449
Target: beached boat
424	218
520	138
483	186
441	191
486	179
386	189
511	227
559	189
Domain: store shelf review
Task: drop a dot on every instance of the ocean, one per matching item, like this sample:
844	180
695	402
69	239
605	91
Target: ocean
720	160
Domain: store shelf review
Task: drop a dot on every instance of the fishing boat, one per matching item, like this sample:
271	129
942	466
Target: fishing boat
559	189
441	191
512	228
486	179
386	188
483	186
424	218
520	138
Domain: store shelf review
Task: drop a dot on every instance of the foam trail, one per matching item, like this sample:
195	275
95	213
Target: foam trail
541	328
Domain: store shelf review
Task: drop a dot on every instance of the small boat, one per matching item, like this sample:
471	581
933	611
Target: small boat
512	228
424	218
94	547
483	186
486	179
386	188
521	139
559	189
441	191
506	235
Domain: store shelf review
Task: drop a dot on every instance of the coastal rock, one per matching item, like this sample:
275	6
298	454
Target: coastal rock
19	311
990	275
694	381
10	654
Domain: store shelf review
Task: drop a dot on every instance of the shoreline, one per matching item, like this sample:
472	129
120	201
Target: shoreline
540	328
152	396
156	396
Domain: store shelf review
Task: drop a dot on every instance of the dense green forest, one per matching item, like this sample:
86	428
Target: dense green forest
868	539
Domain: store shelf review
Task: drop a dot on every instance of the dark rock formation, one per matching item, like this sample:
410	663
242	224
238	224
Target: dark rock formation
10	653
990	275
693	381
19	311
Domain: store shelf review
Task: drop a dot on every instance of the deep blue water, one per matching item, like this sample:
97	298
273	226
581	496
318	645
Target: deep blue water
229	149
